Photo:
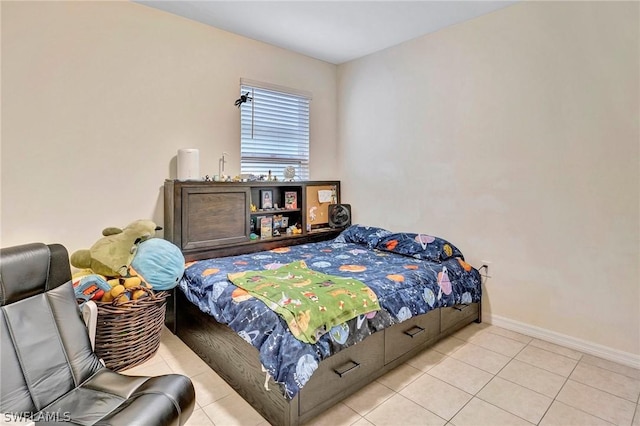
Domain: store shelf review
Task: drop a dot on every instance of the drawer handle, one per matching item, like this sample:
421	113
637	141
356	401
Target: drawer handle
414	331
348	370
460	307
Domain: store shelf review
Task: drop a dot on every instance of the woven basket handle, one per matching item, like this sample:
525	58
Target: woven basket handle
116	300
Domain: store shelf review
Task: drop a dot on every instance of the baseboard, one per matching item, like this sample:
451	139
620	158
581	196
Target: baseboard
584	346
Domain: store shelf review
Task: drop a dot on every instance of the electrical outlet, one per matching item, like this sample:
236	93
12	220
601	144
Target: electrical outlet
486	264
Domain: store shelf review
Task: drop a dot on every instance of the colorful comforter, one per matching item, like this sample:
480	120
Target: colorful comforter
310	302
411	274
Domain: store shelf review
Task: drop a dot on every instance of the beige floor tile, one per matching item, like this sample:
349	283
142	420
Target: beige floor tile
636	419
210	387
516	399
426	360
449	345
534	378
338	415
461	375
480	413
510	334
362	422
187	363
552	347
596	402
169	339
399	410
560	414
155	369
400	377
617	384
558	364
232	410
199	418
497	343
482	358
155	359
368	398
436	396
612	366
471	330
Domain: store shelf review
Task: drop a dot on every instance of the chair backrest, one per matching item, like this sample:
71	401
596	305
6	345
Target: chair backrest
45	348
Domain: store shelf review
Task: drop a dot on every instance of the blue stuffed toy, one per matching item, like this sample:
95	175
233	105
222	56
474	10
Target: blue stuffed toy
159	263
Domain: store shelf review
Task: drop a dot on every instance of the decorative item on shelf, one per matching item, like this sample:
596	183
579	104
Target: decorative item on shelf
253	208
277	221
339	215
289	173
290	200
266	199
188	164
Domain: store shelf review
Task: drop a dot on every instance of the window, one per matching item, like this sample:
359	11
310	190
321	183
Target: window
274	130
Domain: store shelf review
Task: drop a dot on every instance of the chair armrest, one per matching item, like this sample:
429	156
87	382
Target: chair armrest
90	317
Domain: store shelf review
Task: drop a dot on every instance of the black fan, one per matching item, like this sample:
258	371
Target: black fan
339	215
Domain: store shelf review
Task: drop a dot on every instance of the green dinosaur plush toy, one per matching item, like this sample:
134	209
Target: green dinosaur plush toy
111	255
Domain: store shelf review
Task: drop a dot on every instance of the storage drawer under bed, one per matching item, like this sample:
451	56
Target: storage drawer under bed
342	370
403	337
454	315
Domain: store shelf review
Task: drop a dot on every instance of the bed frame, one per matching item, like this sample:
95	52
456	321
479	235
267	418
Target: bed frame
188	223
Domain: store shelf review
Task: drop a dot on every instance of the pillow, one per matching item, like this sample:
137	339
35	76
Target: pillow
420	246
359	234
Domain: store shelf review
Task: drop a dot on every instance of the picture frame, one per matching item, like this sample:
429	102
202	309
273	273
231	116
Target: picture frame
290	200
266	199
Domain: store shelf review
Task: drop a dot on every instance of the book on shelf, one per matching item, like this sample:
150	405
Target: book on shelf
290	200
266	227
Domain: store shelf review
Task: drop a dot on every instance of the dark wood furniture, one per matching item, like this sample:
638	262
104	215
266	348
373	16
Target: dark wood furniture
191	222
213	219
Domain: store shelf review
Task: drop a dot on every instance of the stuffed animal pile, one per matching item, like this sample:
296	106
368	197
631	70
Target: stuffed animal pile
126	264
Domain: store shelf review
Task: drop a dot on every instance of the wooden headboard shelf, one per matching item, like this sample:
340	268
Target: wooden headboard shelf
214	219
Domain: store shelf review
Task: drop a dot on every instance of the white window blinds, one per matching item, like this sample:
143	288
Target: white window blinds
274	132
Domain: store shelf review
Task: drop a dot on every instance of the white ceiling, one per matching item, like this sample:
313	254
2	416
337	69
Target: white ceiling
332	31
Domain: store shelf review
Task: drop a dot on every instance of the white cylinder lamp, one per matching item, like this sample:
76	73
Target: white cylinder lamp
188	164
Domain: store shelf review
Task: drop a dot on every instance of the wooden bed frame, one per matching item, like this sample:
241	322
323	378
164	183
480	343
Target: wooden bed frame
237	362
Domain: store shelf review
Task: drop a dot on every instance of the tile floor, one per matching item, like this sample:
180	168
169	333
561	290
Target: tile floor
482	375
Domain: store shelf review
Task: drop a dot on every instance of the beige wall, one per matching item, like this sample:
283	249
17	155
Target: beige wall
515	136
97	97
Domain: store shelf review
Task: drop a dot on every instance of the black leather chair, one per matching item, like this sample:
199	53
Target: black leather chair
49	372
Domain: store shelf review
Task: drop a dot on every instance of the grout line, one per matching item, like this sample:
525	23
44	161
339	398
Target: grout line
608	369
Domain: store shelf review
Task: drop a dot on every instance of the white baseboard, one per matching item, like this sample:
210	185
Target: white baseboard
584	346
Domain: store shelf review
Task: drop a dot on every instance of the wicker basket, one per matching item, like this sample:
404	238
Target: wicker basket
128	331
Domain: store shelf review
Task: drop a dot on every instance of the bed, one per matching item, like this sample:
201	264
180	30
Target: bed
424	288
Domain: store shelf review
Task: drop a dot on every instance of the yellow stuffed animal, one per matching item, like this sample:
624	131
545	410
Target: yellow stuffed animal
126	289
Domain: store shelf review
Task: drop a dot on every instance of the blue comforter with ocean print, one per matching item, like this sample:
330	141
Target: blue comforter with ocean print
410	273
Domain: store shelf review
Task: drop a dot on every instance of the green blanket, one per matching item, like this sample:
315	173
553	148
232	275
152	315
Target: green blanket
309	301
